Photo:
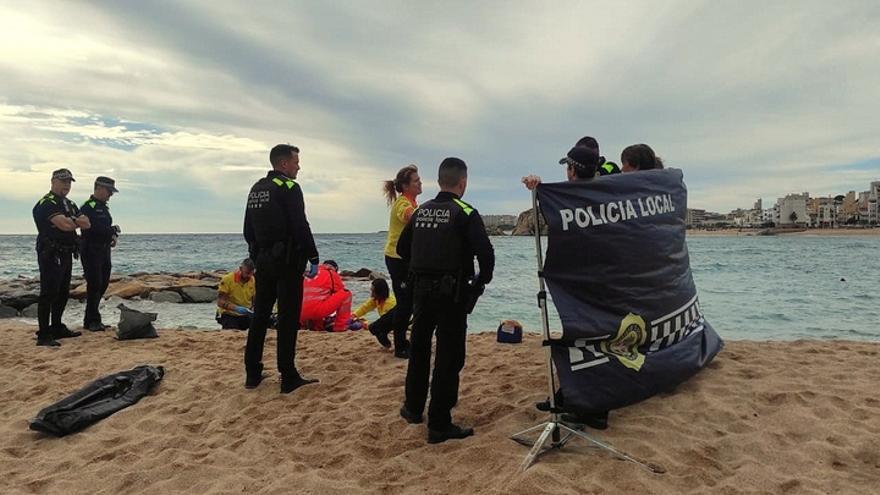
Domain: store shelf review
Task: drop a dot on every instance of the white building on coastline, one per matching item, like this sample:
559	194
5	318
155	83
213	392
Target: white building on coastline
874	203
792	210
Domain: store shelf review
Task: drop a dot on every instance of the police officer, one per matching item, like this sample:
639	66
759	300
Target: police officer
440	242
280	240
605	167
95	249
57	219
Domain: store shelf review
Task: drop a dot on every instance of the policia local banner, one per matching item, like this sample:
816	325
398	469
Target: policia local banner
617	267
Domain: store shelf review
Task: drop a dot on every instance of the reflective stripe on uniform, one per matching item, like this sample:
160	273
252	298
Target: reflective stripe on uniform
464	206
289	182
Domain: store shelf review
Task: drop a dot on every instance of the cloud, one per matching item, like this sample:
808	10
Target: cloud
183	100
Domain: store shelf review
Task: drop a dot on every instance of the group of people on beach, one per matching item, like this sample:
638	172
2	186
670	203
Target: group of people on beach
429	252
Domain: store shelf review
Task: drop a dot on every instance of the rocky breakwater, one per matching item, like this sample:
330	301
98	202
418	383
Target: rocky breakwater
525	224
18	297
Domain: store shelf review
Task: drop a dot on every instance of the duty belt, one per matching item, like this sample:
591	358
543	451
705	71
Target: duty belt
48	244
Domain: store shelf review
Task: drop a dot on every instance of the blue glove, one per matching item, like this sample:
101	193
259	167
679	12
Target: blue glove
241	310
313	270
355	324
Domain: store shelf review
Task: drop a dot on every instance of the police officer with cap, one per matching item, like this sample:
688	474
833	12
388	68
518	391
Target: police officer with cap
280	241
57	219
440	242
605	167
573	172
95	249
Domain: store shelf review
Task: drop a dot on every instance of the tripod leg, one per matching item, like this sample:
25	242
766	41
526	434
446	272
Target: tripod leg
649	467
536	449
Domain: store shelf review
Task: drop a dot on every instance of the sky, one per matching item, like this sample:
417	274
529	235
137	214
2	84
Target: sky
181	101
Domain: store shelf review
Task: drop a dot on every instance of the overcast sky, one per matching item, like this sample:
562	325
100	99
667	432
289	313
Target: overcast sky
181	101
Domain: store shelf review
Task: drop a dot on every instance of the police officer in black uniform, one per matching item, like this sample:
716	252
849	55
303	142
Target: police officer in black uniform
95	249
57	219
440	242
280	240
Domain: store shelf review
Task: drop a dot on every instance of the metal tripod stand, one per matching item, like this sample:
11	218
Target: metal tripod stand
552	431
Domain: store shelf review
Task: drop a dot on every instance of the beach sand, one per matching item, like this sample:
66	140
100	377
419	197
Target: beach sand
800	417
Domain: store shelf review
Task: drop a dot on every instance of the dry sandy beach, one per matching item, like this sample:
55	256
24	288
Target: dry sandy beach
800	417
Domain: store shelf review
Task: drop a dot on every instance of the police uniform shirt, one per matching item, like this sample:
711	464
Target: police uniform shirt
276	213
443	236
101	231
49	206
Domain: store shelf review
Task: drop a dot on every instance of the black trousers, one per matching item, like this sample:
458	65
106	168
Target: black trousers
96	269
55	268
384	323
440	313
281	281
398	270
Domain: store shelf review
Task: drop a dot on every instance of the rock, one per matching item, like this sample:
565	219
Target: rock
375	275
495	230
166	296
30	311
198	294
8	311
525	225
79	292
20	298
362	273
127	289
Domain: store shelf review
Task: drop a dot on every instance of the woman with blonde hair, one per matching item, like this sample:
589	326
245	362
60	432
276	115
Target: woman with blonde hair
401	193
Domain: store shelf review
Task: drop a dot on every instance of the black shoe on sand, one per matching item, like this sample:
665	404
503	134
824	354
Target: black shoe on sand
451	432
62	332
253	381
288	385
48	342
96	326
410	417
382	337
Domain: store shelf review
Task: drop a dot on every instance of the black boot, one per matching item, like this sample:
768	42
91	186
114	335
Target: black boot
253	378
410	417
451	432
62	332
48	342
95	326
382	337
289	383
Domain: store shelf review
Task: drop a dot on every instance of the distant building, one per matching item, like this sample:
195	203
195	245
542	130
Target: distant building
793	210
499	221
874	203
695	217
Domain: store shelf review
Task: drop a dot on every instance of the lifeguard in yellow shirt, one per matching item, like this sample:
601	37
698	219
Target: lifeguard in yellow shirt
235	297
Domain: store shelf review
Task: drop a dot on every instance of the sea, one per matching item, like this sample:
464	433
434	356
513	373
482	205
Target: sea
755	288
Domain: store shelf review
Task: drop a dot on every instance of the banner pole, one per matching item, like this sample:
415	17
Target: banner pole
542	304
